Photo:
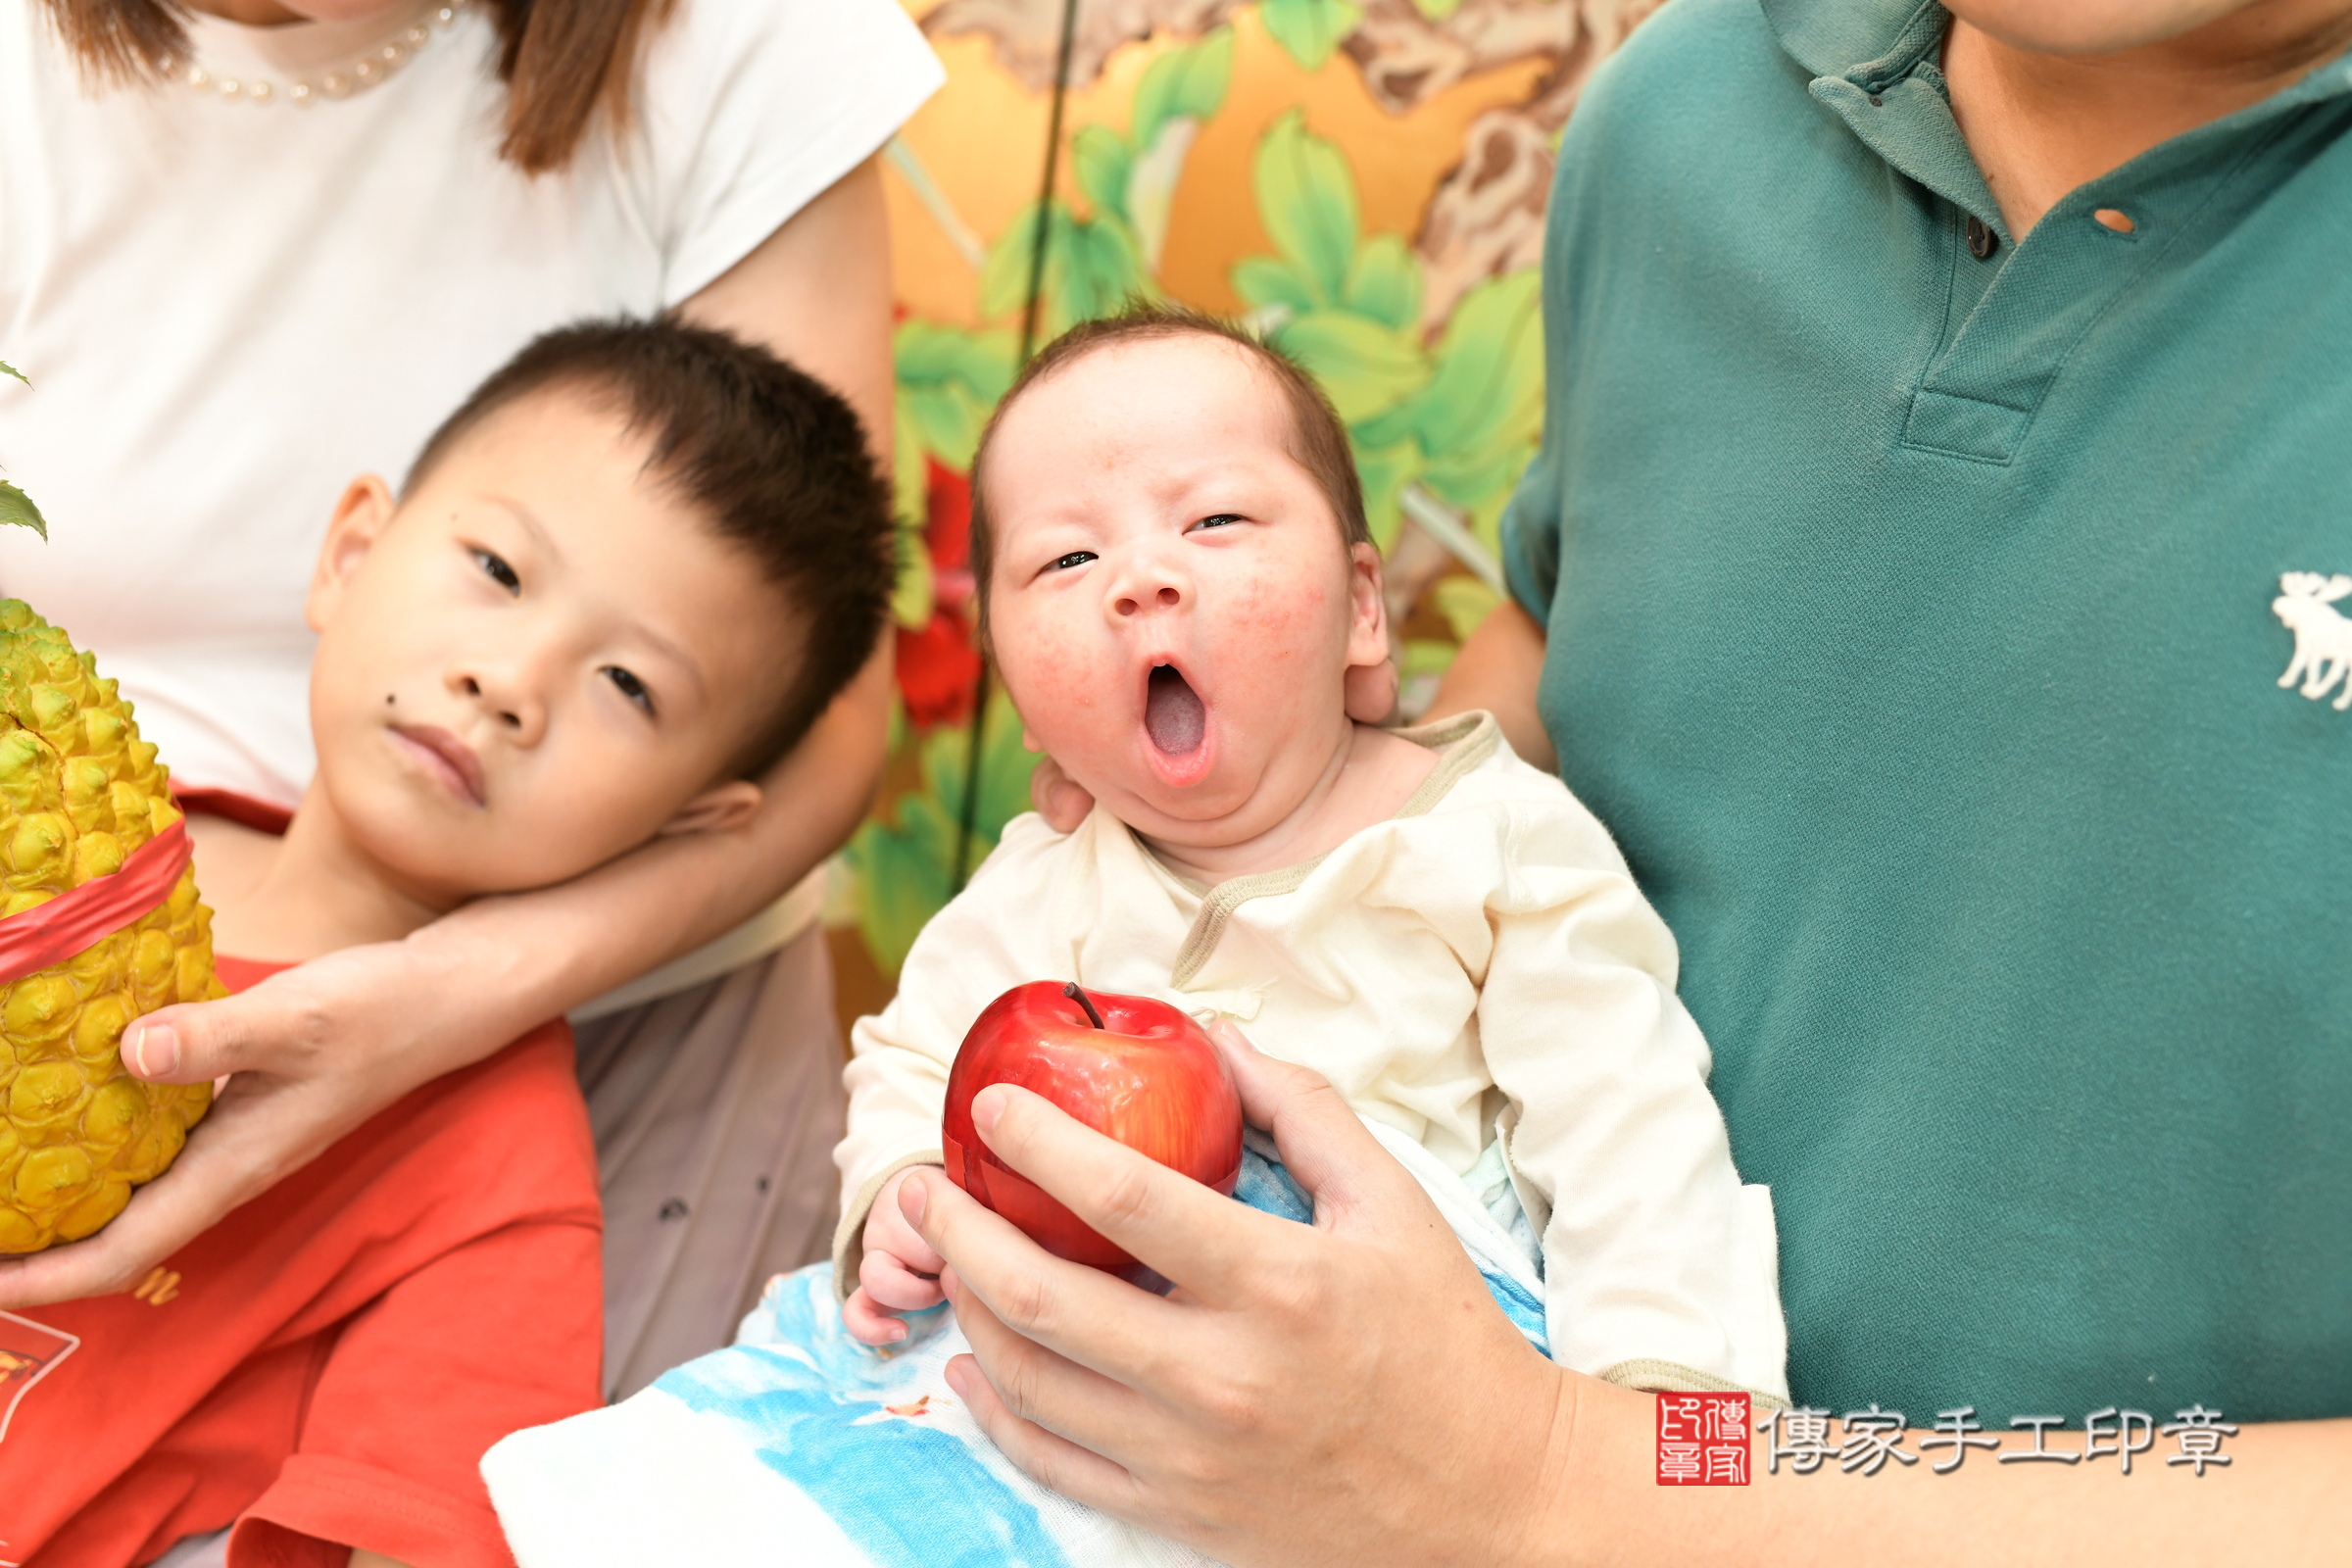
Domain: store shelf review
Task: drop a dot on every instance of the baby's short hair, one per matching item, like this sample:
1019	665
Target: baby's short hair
775	460
1319	440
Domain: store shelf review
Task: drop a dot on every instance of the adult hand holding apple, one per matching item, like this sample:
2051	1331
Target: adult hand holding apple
1131	1067
1340	1391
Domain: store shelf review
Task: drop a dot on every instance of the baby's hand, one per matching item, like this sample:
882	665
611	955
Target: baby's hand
900	1274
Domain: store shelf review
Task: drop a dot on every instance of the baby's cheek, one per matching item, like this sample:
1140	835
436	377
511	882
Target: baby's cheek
1275	635
1051	676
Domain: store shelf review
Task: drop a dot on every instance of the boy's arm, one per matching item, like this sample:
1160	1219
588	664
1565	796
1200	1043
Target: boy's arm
1660	1270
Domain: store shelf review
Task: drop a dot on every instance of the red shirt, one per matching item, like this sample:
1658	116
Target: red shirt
329	1363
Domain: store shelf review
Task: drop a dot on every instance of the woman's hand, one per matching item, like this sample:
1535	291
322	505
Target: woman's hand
1346	1392
1500	670
317	1051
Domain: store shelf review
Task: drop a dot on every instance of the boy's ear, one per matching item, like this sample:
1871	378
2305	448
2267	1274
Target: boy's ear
359	520
720	809
1368	609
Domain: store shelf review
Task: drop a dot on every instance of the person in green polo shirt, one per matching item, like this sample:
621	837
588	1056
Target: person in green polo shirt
1939	574
1918	567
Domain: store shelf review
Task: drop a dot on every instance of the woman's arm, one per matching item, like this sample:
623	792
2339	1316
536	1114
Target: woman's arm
319	1049
1348	1393
1498	669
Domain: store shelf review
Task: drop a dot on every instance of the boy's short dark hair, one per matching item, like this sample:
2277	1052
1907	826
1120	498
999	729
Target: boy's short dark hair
1319	440
774	459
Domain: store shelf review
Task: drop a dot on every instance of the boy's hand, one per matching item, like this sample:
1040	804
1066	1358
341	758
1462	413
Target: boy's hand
900	1274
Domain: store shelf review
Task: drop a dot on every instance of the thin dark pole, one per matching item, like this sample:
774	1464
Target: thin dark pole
968	818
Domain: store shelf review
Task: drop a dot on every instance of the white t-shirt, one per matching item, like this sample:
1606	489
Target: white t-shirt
230	309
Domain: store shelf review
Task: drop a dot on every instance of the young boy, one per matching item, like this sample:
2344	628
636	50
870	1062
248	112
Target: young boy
1178	578
621	580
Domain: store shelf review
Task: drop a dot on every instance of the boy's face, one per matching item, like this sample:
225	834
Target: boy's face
538	658
1149	517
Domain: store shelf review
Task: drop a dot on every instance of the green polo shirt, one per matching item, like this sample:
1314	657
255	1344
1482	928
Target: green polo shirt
1917	622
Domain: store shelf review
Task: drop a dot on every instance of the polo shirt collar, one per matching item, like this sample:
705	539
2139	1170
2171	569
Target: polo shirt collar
1875	62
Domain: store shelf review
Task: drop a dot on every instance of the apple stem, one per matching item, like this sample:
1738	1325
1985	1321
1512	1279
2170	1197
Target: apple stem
1073	992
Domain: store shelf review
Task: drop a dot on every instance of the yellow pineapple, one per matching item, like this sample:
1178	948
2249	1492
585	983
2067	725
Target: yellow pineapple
79	794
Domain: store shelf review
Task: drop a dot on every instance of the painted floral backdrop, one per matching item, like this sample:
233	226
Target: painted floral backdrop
1362	181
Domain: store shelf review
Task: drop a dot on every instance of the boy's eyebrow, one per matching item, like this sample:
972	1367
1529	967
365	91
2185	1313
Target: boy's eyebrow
529	520
675	650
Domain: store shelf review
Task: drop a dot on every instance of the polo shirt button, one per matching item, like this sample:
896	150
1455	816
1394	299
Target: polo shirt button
1981	237
2113	221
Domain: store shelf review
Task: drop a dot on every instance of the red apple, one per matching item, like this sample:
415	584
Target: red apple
1131	1068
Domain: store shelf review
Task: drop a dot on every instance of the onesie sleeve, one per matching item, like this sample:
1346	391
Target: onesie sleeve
994	935
1660	1268
748	109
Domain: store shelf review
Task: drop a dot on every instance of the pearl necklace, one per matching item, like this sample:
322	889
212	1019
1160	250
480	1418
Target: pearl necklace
353	73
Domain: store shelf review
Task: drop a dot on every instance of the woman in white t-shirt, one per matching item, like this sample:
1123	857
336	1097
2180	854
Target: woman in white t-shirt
250	252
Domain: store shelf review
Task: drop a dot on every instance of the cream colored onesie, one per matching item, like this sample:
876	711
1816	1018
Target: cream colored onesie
1480	966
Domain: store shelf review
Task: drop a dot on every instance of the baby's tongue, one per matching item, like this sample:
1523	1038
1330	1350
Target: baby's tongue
1173	712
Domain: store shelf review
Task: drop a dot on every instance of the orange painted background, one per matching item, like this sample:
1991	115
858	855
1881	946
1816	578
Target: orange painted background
1361	182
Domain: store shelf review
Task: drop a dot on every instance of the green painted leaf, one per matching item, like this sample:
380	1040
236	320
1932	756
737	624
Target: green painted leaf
1263	280
1437	10
1100	158
1097	272
900	868
1005	275
1465	603
1426	657
1384	282
1364	368
927	352
913	596
946	419
909	481
1487	391
1306	200
17	508
1469	483
1308	30
1190	81
1385	472
1092	267
1005	768
7	368
901	863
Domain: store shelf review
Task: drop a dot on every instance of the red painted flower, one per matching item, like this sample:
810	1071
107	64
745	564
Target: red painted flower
938	671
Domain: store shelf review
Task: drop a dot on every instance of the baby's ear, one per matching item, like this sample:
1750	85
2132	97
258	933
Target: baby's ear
1368	609
359	520
720	809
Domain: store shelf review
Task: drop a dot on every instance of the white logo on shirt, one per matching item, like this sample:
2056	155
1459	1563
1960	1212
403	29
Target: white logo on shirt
2323	636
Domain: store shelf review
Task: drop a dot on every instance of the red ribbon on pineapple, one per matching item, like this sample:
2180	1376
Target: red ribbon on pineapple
79	918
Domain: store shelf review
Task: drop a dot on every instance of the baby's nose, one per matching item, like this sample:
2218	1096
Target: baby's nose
1168	599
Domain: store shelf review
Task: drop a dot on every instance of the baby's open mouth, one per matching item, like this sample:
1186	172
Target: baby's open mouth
1174	716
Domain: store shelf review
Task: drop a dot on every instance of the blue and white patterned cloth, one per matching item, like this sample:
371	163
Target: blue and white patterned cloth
800	1446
